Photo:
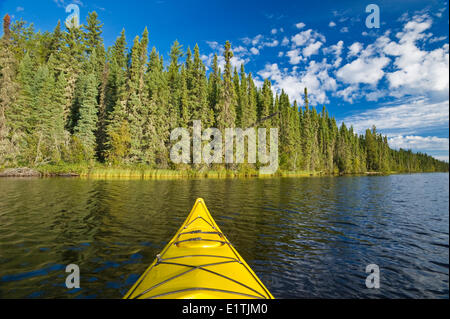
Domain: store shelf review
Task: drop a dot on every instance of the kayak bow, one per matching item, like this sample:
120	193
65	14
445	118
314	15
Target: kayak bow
199	263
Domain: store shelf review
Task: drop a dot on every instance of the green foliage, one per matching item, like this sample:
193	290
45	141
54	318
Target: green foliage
66	101
87	122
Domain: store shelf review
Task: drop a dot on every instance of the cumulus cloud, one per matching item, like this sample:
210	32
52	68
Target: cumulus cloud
315	77
254	51
295	56
336	50
311	49
272	43
431	143
367	70
355	48
253	41
240	56
256	39
417	70
300	25
332	24
307	37
438	39
413	116
213	44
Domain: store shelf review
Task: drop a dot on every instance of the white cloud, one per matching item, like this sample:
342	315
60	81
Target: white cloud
311	49
443	158
438	39
294	56
417	70
285	41
253	41
280	54
213	44
271	44
254	51
336	50
355	48
307	37
315	77
332	24
300	25
367	70
240	56
274	31
63	3
344	30
256	39
239	49
416	116
432	145
429	143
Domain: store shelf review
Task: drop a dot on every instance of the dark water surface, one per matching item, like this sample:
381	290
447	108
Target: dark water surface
304	237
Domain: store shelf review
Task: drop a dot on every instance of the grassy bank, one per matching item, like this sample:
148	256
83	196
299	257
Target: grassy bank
144	172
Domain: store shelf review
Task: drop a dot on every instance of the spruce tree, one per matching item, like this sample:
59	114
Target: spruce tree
174	83
87	122
8	92
226	106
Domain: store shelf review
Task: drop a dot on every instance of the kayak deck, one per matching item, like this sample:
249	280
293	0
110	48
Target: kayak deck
199	263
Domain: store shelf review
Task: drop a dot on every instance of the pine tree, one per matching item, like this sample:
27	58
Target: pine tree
198	91
93	35
306	134
157	124
237	92
265	103
58	133
87	123
136	111
174	82
250	113
227	104
8	92
214	88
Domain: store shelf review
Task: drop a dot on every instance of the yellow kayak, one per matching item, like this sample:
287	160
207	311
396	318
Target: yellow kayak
199	263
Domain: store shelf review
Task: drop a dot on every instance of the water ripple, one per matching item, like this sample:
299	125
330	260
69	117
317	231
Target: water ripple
304	237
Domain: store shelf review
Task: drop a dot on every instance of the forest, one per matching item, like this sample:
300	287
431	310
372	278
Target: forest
65	98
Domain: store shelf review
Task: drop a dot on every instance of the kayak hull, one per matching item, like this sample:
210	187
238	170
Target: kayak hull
199	263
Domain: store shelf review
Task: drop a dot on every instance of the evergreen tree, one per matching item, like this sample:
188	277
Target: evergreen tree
8	90
214	88
87	123
227	102
174	82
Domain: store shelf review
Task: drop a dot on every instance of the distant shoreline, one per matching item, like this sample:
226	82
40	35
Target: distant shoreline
140	172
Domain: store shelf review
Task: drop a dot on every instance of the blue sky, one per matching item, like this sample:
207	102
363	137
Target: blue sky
394	77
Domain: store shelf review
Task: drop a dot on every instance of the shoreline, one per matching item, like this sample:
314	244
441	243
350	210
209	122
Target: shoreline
103	172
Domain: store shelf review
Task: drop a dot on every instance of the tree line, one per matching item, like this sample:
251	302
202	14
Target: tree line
65	98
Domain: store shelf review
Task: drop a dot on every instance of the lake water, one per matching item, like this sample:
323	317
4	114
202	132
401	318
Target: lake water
304	237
